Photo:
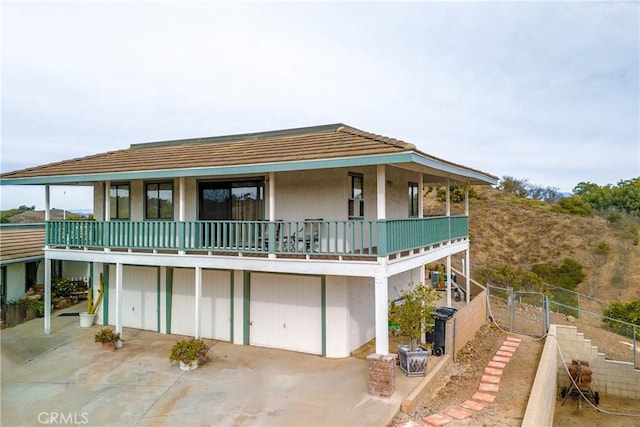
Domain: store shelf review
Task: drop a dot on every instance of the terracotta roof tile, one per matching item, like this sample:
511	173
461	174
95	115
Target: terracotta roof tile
21	243
314	143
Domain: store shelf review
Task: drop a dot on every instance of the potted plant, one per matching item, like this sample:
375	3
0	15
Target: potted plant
441	277
87	317
190	353
413	313
108	338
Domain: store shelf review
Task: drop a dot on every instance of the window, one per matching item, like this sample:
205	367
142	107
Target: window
356	198
159	200
3	284
31	274
235	200
413	200
119	194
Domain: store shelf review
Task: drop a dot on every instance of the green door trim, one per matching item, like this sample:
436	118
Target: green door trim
323	305
246	306
105	295
158	321
168	291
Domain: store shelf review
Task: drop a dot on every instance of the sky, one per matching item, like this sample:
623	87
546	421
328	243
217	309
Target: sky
543	91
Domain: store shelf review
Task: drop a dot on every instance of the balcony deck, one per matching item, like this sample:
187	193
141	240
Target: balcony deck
321	239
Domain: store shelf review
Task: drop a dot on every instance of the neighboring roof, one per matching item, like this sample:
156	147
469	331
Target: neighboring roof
291	149
21	243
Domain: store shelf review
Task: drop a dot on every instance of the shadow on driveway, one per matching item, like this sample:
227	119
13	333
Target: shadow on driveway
65	376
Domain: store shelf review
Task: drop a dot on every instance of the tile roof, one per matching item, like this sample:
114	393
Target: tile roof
312	143
21	243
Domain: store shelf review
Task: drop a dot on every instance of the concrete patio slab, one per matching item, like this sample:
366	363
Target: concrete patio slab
67	376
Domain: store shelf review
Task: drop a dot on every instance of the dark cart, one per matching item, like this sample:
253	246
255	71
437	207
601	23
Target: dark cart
438	335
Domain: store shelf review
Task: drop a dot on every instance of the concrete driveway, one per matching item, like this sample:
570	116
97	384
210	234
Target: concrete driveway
64	378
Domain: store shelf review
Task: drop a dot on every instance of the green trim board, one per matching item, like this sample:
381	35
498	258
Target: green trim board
105	295
168	297
246	307
323	313
20	260
158	321
231	301
323	305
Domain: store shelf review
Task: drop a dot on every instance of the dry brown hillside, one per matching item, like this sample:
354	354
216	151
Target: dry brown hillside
520	232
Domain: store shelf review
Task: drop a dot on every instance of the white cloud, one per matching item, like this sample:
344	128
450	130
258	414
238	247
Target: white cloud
537	90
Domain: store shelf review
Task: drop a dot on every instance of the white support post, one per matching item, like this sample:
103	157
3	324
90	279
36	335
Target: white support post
449	280
448	205
272	196
181	199
198	294
181	212
47	294
119	296
107	201
420	195
381	192
466	200
467	274
47	202
382	313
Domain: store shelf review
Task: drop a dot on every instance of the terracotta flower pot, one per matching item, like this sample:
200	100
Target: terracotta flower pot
108	347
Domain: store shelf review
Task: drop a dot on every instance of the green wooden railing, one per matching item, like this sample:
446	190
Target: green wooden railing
358	238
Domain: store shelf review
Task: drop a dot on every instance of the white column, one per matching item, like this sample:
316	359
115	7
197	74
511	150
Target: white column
467	264
448	205
467	274
198	300
181	199
107	201
272	196
466	200
47	292
420	195
381	192
448	280
47	202
382	311
181	212
119	296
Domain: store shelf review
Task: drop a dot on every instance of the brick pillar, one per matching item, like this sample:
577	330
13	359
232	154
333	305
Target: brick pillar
382	374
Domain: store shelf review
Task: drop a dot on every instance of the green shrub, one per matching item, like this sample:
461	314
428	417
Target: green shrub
574	205
628	312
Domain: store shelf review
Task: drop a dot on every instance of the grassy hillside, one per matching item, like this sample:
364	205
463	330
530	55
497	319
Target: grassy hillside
521	232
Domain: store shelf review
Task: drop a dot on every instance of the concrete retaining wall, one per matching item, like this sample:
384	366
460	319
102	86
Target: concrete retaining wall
466	322
542	400
610	377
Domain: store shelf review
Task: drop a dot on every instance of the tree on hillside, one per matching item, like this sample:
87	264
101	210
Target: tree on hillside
514	186
599	256
625	196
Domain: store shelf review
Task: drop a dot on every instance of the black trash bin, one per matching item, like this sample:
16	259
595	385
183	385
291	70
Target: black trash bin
438	335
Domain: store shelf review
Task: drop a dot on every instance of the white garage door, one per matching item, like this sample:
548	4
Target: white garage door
286	312
139	297
215	305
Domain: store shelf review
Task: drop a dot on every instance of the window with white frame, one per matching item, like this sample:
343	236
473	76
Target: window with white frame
413	200
356	196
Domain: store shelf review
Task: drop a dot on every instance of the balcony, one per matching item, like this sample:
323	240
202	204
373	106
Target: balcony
305	238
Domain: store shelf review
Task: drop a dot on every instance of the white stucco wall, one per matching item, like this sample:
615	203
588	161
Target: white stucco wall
337	316
15	281
299	194
361	311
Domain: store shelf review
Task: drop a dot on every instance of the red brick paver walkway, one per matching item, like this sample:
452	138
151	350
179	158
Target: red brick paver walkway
487	390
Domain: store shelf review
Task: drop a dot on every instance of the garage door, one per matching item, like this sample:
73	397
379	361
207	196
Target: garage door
139	297
215	305
286	312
